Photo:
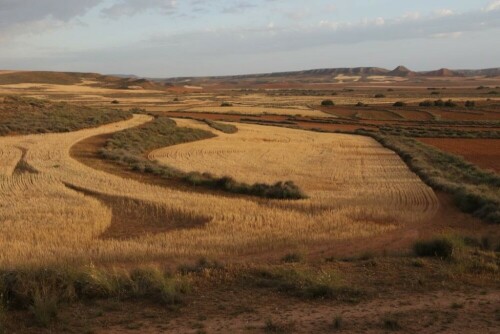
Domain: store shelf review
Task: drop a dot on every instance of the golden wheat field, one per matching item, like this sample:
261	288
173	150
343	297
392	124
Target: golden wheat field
361	190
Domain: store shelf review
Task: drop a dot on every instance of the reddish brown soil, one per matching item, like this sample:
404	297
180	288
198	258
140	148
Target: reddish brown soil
453	115
414	115
483	152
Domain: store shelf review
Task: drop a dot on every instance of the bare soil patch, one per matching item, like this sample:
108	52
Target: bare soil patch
483	152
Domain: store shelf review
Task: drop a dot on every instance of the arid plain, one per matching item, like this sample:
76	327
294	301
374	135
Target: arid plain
307	202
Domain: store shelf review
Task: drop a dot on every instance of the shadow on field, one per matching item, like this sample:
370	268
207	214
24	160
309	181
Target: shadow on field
134	218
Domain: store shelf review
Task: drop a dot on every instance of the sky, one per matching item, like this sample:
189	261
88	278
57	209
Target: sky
170	38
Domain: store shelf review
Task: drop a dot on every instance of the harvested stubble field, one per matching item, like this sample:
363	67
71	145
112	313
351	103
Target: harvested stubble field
238	226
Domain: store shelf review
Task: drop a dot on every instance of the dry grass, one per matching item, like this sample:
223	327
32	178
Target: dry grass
63	226
337	171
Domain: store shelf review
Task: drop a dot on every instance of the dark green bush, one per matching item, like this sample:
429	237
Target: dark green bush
470	104
379	96
450	103
399	104
439	247
425	104
327	103
439	103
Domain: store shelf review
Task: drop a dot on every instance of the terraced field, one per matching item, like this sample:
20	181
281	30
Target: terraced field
76	212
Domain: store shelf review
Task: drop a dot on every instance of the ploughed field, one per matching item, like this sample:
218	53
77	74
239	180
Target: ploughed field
484	153
57	210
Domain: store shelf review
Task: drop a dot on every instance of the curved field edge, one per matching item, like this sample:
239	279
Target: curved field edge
22	116
474	190
128	148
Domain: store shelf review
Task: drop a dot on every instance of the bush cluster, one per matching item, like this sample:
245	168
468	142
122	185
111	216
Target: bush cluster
327	103
21	115
279	190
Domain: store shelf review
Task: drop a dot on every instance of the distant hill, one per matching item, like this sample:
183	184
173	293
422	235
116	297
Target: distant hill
443	72
402	71
275	79
45	77
73	78
488	72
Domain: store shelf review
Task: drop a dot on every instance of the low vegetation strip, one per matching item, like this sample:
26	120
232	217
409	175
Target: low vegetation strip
222	127
475	191
429	132
21	115
129	147
43	291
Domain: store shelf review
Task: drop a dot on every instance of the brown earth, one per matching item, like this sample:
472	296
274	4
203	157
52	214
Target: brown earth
482	152
397	296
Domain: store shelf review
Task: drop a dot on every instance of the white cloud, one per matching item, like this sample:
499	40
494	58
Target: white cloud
493	5
132	7
32	15
444	12
454	35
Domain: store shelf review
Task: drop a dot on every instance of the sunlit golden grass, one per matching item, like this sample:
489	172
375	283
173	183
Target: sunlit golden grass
365	191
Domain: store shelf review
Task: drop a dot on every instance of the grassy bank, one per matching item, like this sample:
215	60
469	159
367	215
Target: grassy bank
38	298
128	148
222	127
475	191
20	115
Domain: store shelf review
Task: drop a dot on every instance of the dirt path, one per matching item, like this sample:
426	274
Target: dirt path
467	311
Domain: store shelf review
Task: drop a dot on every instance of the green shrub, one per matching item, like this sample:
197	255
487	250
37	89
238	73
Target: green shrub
470	104
21	115
45	306
425	104
226	104
272	326
327	103
450	103
399	104
292	258
305	283
439	247
392	324
379	96
226	128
